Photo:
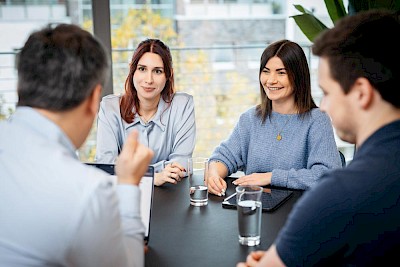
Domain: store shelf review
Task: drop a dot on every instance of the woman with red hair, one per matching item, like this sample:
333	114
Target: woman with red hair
165	119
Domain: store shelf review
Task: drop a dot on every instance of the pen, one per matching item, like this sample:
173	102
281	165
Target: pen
231	196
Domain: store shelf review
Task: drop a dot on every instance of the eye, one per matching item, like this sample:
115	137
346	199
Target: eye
282	72
265	71
140	68
158	71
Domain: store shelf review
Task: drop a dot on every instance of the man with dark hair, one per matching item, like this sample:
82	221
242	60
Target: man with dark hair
352	216
55	210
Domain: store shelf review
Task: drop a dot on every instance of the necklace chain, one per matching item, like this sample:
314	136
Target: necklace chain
147	120
279	136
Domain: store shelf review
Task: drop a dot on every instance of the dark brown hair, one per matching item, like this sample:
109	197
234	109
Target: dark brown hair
363	45
295	62
130	98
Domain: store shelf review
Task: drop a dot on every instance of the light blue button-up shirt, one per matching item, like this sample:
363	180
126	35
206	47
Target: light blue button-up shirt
56	211
171	133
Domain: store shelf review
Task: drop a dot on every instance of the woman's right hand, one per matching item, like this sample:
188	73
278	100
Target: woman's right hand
216	185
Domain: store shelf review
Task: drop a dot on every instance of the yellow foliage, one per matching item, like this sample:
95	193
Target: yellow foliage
216	108
140	24
88	25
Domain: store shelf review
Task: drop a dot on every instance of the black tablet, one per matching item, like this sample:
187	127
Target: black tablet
272	198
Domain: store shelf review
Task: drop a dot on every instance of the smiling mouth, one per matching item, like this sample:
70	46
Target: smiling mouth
275	88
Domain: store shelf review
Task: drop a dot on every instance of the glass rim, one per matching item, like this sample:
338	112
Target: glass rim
255	188
198	159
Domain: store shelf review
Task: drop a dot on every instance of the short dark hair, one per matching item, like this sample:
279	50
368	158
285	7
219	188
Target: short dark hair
130	98
365	45
296	65
59	66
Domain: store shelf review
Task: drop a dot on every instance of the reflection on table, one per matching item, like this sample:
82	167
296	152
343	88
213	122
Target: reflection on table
183	235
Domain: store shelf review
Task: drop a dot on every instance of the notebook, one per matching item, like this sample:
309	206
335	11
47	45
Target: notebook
271	199
146	197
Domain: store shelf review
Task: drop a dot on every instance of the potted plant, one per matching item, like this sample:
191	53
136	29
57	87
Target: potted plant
312	26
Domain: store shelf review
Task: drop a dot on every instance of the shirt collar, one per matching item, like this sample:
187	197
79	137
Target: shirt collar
386	132
156	119
43	126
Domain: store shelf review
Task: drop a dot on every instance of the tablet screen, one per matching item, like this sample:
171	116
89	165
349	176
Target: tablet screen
271	199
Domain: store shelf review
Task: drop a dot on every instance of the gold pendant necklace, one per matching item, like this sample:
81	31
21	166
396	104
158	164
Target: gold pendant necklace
279	136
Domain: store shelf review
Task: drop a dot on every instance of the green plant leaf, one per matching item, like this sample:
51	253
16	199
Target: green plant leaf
302	9
309	25
335	9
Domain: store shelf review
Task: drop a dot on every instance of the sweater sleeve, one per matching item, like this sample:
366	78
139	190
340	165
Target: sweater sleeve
232	151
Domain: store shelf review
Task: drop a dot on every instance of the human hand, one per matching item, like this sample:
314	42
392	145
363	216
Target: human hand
133	160
260	179
216	185
252	259
172	173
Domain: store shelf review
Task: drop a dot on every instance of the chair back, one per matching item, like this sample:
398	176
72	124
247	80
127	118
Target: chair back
342	158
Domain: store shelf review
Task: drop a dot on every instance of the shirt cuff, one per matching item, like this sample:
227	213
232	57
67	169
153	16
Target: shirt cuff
129	199
159	166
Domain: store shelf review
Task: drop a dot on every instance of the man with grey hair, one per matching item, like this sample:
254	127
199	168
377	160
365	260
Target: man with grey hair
55	210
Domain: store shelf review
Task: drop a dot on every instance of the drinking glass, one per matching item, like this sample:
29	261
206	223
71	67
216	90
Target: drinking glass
248	199
197	174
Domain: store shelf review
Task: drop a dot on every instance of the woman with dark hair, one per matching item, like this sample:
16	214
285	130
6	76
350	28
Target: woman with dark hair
165	119
284	141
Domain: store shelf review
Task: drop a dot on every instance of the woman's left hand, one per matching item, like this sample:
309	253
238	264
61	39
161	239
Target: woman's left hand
254	179
172	173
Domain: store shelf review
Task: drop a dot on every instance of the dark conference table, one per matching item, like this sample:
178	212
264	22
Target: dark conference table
183	235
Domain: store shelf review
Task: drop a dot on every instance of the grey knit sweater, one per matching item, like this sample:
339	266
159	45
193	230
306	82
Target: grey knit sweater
307	148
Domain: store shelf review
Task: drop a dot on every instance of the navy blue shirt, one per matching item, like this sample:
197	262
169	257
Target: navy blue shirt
352	216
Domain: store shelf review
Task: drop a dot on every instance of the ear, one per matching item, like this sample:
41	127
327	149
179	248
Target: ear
94	99
364	92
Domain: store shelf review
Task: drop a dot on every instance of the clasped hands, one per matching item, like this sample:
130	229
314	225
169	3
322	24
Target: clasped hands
172	173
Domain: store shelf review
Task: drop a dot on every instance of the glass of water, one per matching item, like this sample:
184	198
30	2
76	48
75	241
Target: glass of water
249	206
197	174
